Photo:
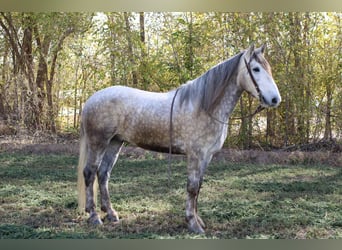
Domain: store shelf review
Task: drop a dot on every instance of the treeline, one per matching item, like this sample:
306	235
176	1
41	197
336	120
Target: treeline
52	62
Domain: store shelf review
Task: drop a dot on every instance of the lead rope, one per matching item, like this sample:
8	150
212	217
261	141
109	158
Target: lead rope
170	134
258	110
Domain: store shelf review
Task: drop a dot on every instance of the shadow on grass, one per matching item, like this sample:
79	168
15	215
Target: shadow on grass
270	208
284	206
320	185
35	168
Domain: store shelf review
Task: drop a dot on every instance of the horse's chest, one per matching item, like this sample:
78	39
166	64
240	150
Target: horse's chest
203	133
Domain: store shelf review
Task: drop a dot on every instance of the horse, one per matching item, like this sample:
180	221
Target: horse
191	120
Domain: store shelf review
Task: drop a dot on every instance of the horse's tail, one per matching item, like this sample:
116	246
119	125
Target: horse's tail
82	160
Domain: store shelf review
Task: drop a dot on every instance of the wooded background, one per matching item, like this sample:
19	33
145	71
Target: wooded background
52	62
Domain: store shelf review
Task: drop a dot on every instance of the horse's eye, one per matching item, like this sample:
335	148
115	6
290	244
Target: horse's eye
256	69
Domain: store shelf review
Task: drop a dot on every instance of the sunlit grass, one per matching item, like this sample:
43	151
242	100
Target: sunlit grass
38	200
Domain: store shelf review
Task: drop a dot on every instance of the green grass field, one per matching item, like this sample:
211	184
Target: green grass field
38	200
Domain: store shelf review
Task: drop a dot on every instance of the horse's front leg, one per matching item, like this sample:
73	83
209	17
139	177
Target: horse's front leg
196	169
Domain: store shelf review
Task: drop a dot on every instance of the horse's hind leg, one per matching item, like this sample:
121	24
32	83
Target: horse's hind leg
94	159
108	161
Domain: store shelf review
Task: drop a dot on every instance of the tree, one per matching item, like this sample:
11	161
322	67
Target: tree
40	42
55	61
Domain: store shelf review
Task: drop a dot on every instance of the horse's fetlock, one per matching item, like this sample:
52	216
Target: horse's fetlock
104	208
188	218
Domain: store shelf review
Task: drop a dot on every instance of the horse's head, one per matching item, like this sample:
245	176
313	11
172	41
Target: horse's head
256	77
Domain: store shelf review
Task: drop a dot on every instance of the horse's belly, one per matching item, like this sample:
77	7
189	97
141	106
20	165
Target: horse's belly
161	149
151	134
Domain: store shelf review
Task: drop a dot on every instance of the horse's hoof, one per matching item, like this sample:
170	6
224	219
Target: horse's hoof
95	220
111	218
195	227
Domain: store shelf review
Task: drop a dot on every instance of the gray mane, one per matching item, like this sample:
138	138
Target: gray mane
206	91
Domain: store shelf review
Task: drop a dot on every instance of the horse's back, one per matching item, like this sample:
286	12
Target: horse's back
125	111
124	94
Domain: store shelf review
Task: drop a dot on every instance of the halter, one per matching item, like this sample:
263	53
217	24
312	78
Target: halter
248	67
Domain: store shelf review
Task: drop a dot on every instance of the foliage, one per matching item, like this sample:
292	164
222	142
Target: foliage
52	62
38	200
32	42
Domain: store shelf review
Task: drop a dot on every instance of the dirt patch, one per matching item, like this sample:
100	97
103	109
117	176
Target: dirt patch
38	145
280	157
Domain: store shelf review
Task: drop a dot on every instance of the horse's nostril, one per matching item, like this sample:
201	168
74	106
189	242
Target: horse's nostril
274	100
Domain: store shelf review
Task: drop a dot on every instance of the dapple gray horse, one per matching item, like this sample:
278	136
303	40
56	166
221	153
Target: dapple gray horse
191	120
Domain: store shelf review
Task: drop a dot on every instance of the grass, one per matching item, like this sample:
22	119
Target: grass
38	200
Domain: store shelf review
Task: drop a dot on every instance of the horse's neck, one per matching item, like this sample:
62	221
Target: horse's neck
228	102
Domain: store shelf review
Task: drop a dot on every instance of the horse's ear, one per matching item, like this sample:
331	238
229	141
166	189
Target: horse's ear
261	49
249	52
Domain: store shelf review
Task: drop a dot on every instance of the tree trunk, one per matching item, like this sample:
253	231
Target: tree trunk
189	62
75	95
42	75
3	106
143	61
49	83
172	42
130	49
327	128
142	27
33	115
111	46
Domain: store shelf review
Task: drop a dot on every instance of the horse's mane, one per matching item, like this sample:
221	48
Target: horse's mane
206	91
